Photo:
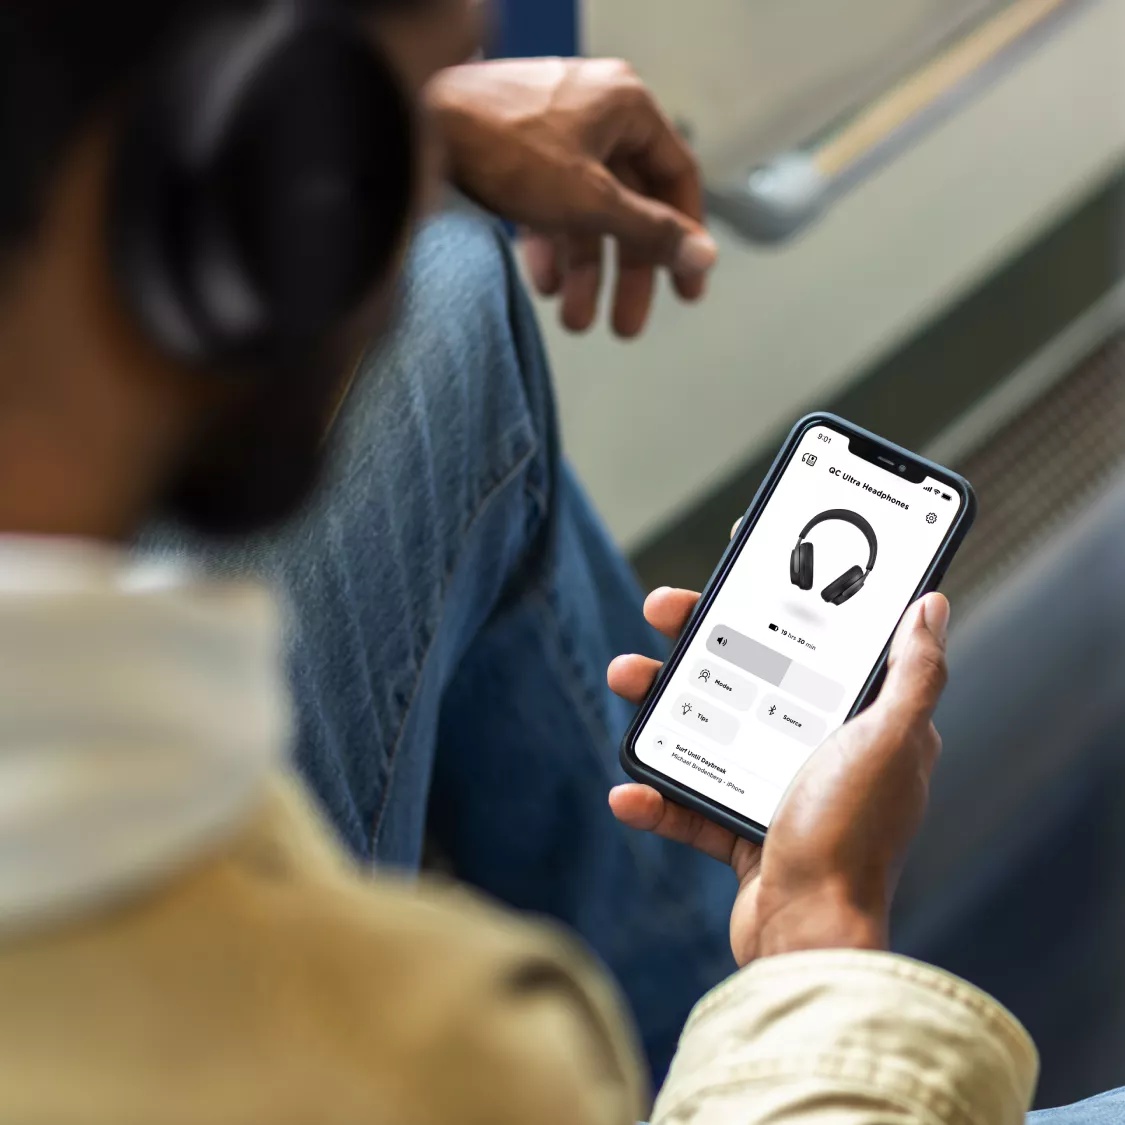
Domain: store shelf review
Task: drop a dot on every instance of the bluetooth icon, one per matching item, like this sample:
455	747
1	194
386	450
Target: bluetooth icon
773	710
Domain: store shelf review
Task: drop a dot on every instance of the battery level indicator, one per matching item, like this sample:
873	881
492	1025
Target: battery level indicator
946	496
773	629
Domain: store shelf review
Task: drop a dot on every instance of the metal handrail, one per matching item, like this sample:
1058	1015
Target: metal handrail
776	201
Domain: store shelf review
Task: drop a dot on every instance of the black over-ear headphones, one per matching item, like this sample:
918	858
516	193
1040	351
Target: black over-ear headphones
264	185
851	581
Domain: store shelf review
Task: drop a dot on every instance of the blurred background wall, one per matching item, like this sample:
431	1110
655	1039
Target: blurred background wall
797	324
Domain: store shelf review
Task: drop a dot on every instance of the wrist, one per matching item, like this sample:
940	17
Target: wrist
442	92
828	918
449	109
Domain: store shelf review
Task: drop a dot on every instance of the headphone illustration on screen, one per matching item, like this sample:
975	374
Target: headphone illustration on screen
849	583
264	184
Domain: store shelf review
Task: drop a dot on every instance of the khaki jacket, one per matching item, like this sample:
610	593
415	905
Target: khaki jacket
272	984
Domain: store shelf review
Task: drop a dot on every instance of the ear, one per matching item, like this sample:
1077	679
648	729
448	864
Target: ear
105	409
845	587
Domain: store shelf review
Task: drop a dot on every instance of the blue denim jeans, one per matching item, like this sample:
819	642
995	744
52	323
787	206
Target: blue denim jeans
455	602
1106	1109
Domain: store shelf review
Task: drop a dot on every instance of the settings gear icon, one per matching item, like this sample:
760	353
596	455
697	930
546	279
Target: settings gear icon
932	518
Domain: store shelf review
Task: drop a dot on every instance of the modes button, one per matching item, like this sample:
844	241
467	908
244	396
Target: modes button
714	679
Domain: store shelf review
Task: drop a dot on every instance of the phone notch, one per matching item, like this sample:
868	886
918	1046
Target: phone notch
889	459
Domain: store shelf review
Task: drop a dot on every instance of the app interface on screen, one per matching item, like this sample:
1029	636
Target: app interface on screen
774	667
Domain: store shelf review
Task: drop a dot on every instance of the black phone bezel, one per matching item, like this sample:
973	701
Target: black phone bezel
875	449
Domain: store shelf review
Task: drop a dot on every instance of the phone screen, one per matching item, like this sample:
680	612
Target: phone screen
791	638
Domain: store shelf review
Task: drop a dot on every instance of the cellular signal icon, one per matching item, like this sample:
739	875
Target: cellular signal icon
929	488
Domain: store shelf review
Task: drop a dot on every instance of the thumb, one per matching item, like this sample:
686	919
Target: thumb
655	233
916	672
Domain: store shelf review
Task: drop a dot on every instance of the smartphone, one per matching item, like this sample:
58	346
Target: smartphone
791	635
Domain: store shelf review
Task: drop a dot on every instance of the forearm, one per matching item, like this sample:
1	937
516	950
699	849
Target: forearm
852	1039
499	139
465	137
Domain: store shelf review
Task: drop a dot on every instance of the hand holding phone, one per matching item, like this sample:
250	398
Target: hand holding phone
789	640
826	874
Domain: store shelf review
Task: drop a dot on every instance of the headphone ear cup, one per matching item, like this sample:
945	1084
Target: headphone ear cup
801	566
845	587
244	236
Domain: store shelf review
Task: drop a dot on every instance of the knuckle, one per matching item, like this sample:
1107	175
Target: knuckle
601	196
623	83
938	668
668	242
590	198
636	95
621	70
694	831
663	236
930	667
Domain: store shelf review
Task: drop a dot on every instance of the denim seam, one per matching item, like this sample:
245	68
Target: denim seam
541	503
499	485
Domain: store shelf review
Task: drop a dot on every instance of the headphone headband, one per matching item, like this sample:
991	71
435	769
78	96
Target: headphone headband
856	520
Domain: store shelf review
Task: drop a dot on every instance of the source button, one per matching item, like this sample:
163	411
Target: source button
792	720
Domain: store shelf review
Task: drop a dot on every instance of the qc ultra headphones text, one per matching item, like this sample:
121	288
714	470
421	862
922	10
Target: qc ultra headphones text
849	583
264	184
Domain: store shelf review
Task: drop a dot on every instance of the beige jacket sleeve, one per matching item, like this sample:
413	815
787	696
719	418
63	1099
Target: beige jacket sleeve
273	984
848	1038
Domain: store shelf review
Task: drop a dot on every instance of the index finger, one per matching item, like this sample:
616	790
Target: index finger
657	153
670	172
668	610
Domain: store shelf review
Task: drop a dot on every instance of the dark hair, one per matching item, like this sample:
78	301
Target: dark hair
61	63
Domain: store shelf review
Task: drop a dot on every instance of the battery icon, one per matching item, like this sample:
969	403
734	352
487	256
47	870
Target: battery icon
946	496
773	629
